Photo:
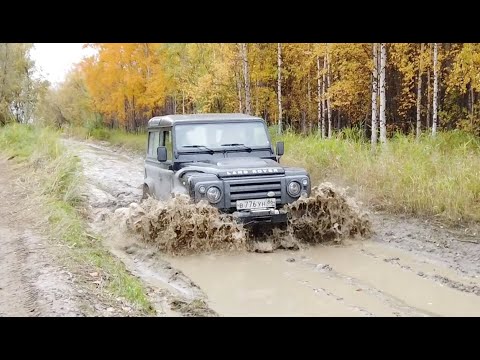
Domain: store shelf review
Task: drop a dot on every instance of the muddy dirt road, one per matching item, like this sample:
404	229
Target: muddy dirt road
409	267
31	284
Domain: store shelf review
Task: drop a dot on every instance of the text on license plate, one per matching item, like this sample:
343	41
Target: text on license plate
256	204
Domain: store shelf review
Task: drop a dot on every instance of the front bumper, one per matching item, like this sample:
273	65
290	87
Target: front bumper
268	216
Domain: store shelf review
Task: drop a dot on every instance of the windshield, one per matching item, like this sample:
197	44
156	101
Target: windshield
250	134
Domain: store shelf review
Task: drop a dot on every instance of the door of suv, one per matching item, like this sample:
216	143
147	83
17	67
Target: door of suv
159	175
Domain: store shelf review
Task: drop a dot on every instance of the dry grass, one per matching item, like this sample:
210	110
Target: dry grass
433	177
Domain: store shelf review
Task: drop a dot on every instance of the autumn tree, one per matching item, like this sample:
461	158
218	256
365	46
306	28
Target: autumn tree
18	89
464	83
297	86
435	88
374	95
383	60
279	92
68	104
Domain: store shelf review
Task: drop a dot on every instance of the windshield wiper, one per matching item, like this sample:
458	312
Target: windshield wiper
249	149
210	151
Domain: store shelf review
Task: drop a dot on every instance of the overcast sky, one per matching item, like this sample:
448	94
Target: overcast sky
55	60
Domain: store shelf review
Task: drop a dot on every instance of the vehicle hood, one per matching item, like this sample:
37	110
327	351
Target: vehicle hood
234	167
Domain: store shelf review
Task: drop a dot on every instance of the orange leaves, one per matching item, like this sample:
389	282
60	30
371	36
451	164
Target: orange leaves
126	80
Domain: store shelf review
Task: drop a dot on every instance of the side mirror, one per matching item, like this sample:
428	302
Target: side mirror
280	148
162	153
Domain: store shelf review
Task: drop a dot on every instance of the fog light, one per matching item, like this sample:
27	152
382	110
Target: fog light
202	189
304	194
304	182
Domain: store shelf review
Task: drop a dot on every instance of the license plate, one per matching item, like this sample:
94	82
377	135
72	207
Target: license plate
256	204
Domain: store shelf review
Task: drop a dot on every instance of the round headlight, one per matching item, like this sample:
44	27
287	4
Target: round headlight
202	189
304	182
293	189
214	194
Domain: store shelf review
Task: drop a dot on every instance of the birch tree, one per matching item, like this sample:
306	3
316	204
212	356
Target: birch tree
279	91
319	96
238	82
419	92
383	60
324	107
427	120
246	77
374	95
329	104
435	88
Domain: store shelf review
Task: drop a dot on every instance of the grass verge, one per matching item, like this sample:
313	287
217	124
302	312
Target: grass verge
57	176
432	177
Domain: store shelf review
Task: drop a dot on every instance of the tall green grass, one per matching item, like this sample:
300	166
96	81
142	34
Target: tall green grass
56	174
434	176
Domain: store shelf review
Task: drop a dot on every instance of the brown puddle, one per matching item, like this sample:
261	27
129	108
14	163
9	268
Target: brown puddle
324	281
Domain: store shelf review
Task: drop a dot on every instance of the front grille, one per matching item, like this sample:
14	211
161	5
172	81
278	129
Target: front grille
258	189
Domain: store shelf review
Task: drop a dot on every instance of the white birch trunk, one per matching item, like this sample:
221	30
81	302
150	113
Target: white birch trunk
246	76
435	89
427	120
279	90
472	99
324	106
419	94
383	127
319	94
329	106
374	95
183	102
239	92
309	98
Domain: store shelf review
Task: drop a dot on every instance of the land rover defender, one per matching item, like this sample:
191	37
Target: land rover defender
225	159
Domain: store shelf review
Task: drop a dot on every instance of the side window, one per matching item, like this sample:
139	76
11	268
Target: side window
166	140
153	143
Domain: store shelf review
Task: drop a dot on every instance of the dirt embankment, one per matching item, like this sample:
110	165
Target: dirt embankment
406	268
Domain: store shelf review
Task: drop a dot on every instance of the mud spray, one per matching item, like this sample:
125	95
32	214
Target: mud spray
180	227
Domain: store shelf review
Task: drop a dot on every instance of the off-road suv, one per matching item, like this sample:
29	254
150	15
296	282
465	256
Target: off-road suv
225	159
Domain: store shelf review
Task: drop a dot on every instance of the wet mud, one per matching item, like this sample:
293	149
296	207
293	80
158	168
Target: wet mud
349	264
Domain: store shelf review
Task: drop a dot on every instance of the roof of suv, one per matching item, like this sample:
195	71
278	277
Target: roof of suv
169	120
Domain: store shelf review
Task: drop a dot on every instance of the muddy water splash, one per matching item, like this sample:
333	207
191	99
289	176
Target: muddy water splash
179	226
328	214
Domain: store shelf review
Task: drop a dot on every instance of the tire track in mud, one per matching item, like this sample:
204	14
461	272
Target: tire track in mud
444	280
31	283
402	284
17	294
400	308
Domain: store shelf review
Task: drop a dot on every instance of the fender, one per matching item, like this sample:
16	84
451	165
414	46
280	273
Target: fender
199	169
150	184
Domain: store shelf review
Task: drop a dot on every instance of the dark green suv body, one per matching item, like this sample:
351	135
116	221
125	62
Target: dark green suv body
225	159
